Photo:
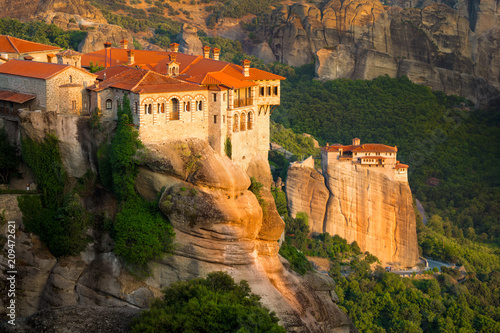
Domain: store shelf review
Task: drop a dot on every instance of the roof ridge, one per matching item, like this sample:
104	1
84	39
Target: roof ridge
194	62
142	79
11	43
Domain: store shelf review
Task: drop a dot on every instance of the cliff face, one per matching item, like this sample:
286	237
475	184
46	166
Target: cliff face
361	205
219	225
361	39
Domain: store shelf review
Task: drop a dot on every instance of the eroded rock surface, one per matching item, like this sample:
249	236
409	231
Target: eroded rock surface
361	39
360	205
219	225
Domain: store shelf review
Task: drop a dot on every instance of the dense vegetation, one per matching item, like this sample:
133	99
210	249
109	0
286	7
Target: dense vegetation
41	32
140	231
9	158
215	304
385	302
439	137
57	215
434	134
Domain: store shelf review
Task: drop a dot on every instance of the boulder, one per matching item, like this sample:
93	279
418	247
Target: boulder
189	42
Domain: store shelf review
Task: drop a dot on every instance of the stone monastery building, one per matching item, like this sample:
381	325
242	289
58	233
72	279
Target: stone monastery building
15	48
369	155
172	95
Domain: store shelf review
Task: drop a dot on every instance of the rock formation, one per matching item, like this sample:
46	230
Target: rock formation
53	11
360	205
103	33
361	39
219	225
189	41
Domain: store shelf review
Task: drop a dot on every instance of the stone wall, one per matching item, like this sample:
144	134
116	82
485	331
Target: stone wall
27	86
66	91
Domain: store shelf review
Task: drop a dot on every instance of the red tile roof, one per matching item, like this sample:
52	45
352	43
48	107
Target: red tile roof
11	96
145	81
10	44
34	69
195	69
366	147
69	53
401	166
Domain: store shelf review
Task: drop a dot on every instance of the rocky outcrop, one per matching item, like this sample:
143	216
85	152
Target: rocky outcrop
52	11
306	192
103	33
76	319
219	225
189	42
361	39
73	132
360	205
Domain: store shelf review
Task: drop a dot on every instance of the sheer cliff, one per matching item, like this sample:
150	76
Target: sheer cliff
218	222
360	205
362	39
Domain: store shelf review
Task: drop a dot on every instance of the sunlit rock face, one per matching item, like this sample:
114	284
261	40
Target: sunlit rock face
360	205
447	49
219	225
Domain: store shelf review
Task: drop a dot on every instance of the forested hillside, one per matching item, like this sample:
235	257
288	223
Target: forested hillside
441	137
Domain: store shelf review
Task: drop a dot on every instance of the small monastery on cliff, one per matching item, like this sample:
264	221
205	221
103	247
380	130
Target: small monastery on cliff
380	157
172	95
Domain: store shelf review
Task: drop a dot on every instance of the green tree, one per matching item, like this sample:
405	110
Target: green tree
215	304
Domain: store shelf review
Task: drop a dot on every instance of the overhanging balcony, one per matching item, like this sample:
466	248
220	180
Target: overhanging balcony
238	103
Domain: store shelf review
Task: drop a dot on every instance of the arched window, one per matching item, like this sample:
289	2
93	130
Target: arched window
243	122
148	108
236	123
250	120
70	79
161	108
174	109
109	104
136	107
187	106
199	106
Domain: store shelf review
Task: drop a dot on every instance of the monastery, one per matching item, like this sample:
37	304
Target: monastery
172	95
380	157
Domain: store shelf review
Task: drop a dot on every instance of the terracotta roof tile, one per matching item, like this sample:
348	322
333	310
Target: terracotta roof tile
366	147
11	96
401	166
10	44
33	69
145	81
69	53
111	71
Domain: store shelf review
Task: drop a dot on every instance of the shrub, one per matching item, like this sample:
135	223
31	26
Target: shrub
298	260
141	233
215	304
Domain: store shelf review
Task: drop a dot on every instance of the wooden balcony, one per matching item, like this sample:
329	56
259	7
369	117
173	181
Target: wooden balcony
238	103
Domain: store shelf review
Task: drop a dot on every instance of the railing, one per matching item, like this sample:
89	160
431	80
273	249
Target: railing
238	103
8	113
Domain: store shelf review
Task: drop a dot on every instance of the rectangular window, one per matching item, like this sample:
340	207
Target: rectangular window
262	91
268	91
215	119
276	91
224	97
215	97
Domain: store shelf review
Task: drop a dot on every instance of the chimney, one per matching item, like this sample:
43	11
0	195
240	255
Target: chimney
131	57
246	67
124	44
96	84
174	47
216	53
107	45
356	142
206	51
